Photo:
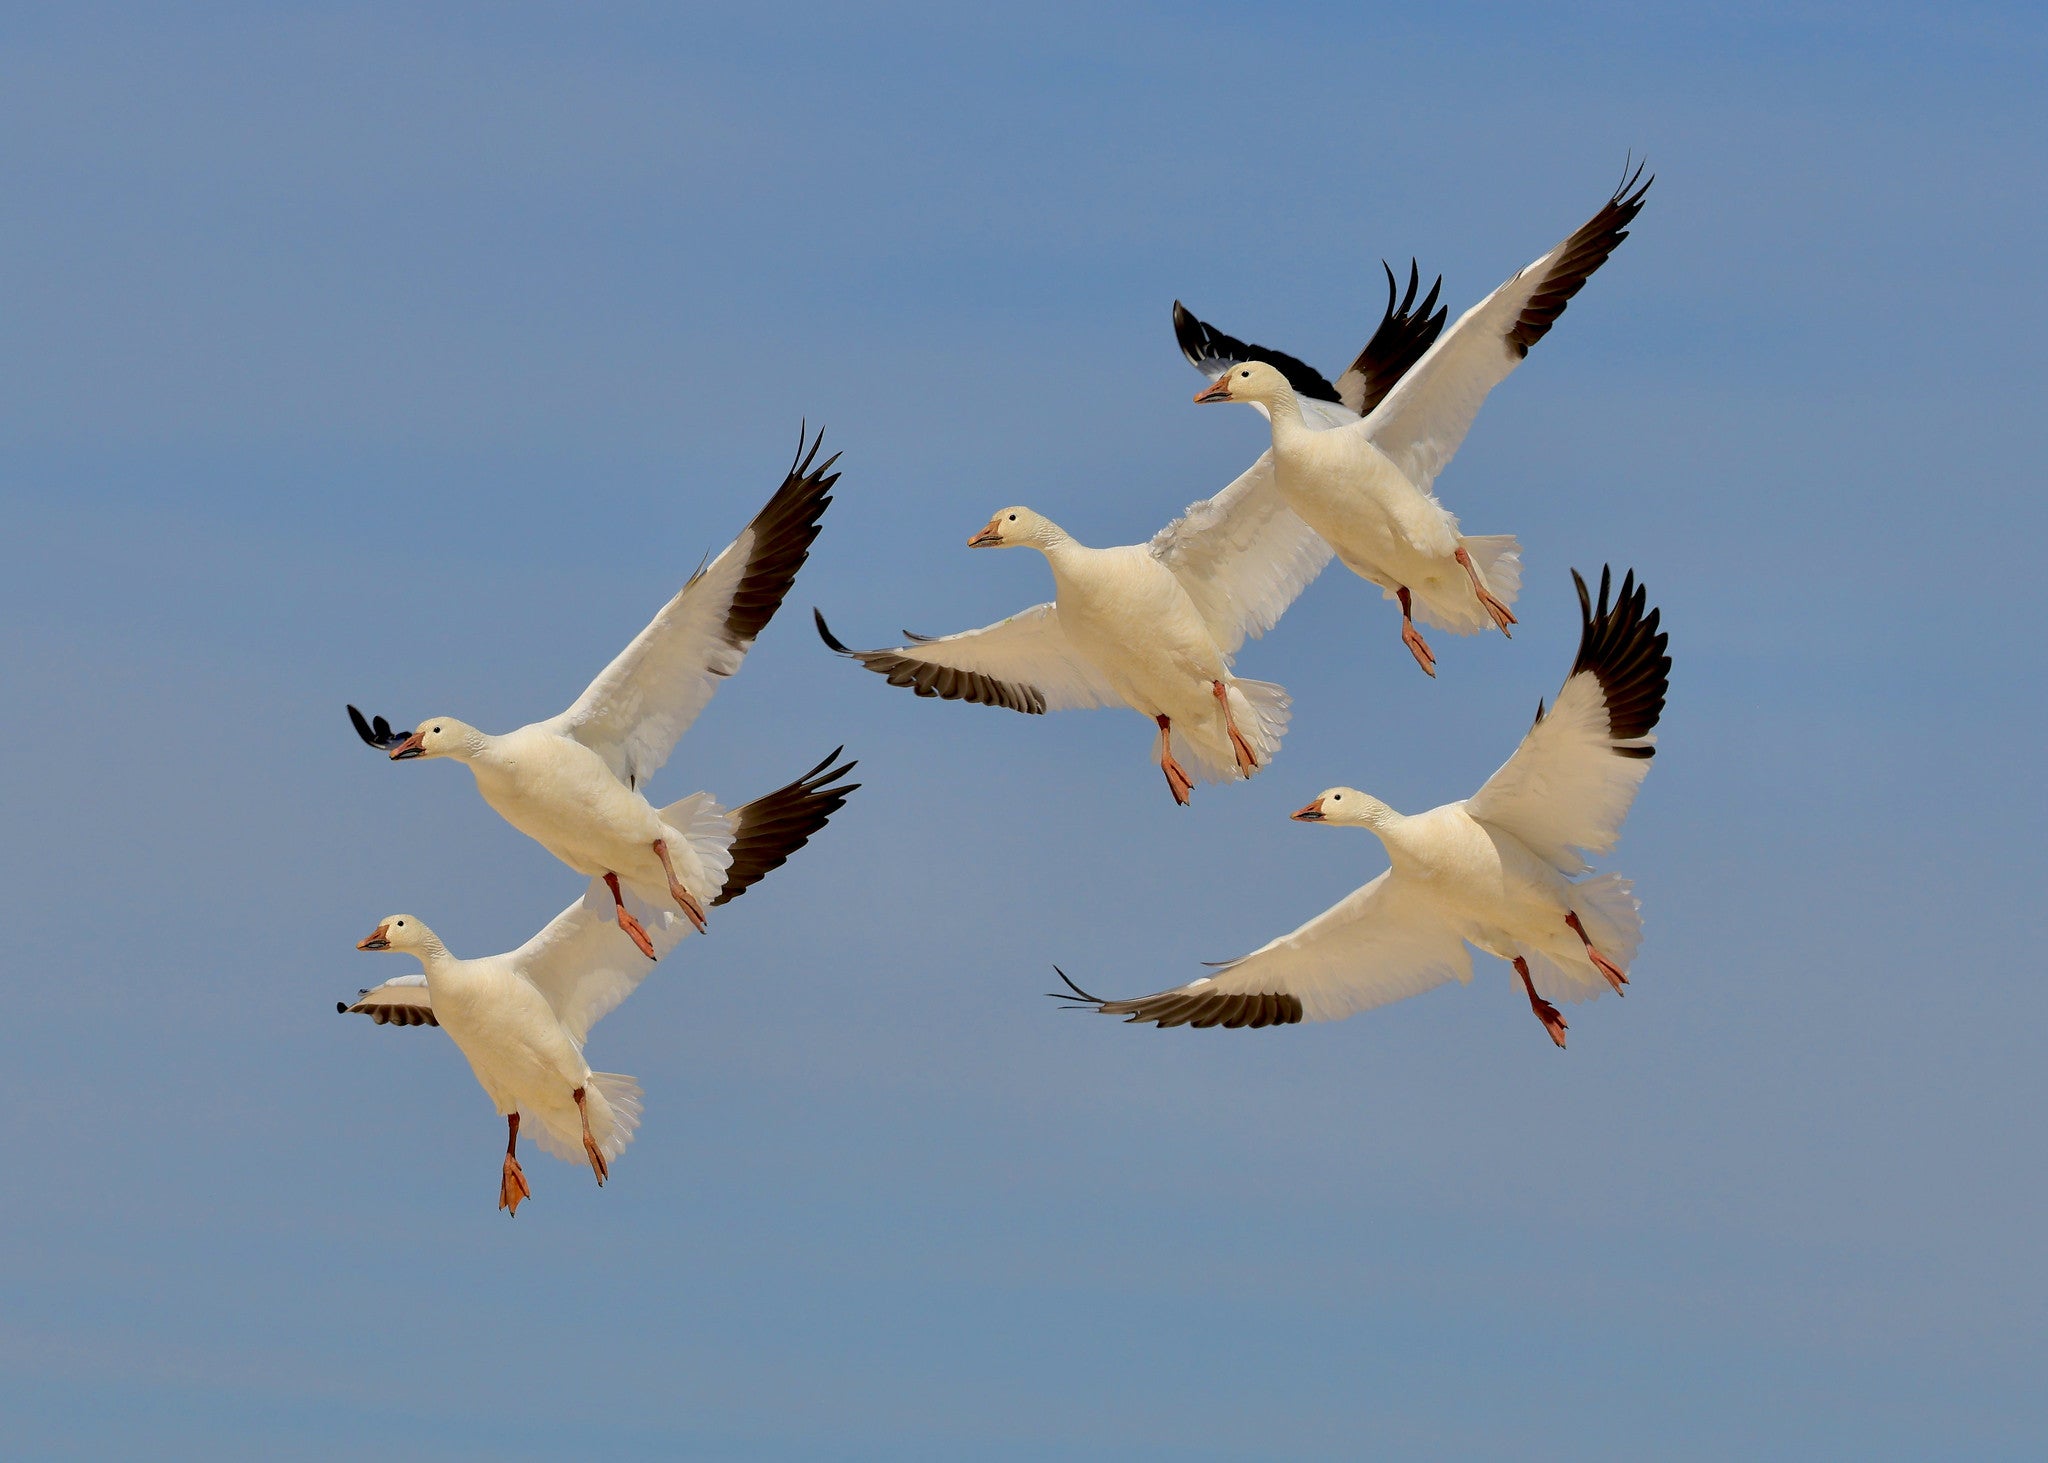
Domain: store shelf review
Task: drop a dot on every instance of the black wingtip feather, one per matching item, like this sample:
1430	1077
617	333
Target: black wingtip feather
376	732
769	829
1621	645
928	678
1585	251
1405	334
1209	350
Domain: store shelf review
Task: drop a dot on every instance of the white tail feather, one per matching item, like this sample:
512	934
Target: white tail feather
1446	601
1260	710
1613	918
613	1101
706	830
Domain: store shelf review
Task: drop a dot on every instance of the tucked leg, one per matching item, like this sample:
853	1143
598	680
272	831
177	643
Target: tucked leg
626	921
1545	1012
1601	963
676	890
1502	615
1177	778
512	1188
1247	759
1411	637
590	1149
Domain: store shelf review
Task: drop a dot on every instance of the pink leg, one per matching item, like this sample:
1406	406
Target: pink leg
512	1187
1601	963
676	890
1177	779
1545	1012
1411	637
1247	760
590	1149
626	921
1502	615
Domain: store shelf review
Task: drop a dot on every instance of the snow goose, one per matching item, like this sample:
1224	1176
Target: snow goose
573	782
1365	486
522	1018
1150	626
1497	870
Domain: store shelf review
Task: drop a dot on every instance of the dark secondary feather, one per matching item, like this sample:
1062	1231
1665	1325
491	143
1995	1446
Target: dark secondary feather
376	732
1584	252
769	829
1190	1008
1624	650
1406	331
946	682
783	532
1211	351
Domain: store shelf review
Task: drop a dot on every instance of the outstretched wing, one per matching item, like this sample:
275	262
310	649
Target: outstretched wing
1212	353
1406	332
1242	556
1025	663
768	830
1425	417
585	964
1570	783
400	1001
633	714
1377	945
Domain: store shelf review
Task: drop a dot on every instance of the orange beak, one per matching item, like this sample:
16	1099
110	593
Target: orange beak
1218	390
374	940
412	746
990	537
1313	813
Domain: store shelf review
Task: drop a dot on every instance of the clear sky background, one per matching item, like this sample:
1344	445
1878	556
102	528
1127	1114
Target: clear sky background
354	353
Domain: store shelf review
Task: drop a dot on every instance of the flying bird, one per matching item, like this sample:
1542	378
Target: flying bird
1366	486
1157	626
1498	870
574	783
522	1018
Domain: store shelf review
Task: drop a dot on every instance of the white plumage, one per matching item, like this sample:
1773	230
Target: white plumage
1365	486
1493	871
575	782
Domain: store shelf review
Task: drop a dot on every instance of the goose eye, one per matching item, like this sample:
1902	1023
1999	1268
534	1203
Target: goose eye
437	731
1013	518
401	924
1244	375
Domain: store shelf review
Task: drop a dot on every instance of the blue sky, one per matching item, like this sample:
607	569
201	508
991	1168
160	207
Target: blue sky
358	354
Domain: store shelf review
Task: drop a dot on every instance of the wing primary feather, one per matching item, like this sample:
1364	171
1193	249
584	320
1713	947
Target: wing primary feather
376	732
929	678
1406	332
1209	351
769	829
1585	251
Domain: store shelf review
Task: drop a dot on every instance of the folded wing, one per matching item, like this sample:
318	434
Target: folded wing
1025	663
633	714
1422	421
400	1001
1376	946
1569	785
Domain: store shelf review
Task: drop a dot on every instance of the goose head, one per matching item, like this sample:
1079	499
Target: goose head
1015	527
1346	807
440	736
404	933
1252	382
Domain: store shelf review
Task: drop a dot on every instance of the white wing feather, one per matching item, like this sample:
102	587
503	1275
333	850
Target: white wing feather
585	964
1564	790
1242	556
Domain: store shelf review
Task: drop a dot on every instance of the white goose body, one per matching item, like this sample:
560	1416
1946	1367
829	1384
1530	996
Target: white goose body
565	797
513	1041
1104	594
